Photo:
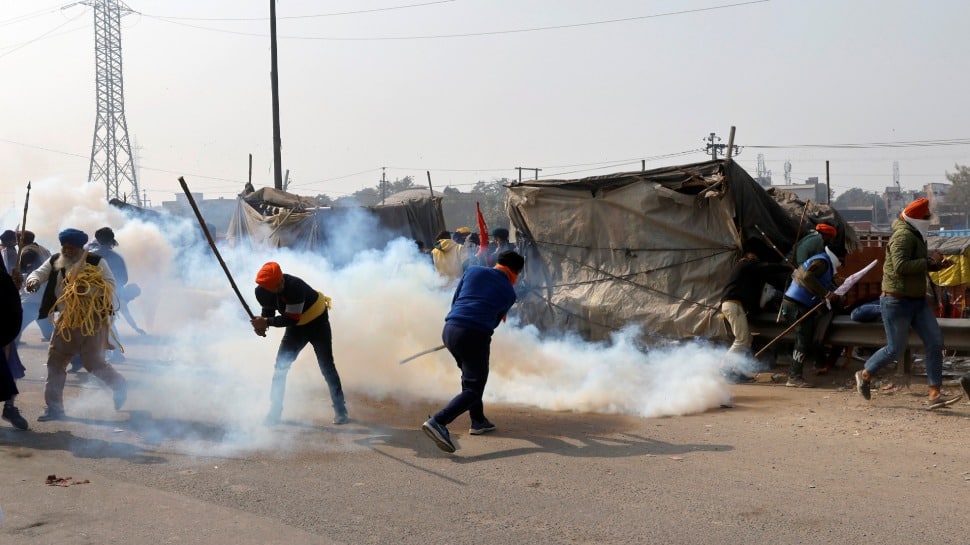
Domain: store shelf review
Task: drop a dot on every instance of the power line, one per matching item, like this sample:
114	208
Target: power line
28	16
904	144
28	42
473	34
594	166
335	14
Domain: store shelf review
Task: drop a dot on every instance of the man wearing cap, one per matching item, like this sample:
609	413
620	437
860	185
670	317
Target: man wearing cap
482	299
904	305
460	235
500	245
8	250
32	256
303	312
125	292
81	287
814	242
446	256
812	283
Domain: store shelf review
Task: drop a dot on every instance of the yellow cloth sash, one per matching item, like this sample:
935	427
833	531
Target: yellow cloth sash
316	309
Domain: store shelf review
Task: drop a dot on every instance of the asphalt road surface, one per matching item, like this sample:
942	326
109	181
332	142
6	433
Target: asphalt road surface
780	465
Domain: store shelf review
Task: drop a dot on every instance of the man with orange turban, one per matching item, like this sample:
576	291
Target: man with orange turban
303	311
813	243
904	305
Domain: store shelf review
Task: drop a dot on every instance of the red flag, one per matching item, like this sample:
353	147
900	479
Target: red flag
482	231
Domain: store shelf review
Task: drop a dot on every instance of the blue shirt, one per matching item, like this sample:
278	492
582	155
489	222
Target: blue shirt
482	298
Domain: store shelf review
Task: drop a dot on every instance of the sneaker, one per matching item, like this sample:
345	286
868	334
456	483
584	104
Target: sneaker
340	419
863	386
798	383
478	428
120	395
965	382
12	414
943	401
439	434
51	414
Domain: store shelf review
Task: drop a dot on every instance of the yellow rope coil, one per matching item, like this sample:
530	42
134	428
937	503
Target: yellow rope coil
87	303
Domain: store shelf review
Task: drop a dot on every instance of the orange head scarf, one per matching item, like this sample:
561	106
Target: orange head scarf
512	275
918	209
269	276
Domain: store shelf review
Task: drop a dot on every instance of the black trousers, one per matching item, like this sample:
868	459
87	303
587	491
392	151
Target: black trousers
470	349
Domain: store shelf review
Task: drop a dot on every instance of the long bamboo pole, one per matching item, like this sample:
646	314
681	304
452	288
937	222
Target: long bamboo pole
212	244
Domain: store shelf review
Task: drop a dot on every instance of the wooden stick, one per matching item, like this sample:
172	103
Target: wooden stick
212	245
770	243
798	235
23	227
791	327
423	352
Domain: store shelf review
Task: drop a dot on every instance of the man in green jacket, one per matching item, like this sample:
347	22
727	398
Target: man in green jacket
904	305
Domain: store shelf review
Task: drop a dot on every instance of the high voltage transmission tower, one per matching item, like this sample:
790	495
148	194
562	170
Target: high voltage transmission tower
111	159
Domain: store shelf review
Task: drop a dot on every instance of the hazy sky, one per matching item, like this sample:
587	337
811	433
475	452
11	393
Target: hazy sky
471	89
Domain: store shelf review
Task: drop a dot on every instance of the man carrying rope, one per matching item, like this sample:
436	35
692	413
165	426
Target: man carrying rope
81	290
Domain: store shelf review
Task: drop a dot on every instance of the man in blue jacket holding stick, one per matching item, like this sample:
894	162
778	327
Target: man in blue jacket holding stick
482	299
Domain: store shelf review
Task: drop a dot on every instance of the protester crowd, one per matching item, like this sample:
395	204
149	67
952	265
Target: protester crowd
45	287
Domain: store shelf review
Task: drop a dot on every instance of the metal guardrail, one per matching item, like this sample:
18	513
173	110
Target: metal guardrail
843	331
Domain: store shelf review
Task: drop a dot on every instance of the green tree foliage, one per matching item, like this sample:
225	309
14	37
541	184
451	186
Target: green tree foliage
459	207
959	194
856	197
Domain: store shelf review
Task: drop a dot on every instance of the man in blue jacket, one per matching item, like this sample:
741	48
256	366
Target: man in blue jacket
481	301
812	283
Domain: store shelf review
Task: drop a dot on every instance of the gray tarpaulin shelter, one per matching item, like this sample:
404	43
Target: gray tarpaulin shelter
276	218
651	248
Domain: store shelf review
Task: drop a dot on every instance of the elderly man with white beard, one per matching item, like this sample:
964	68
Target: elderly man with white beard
80	289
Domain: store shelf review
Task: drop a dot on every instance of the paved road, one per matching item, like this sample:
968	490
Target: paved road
781	466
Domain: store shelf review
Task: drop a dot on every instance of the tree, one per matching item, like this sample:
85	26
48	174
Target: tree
855	197
368	196
959	194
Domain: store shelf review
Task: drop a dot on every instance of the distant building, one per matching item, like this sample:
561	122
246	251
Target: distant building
215	211
810	190
945	215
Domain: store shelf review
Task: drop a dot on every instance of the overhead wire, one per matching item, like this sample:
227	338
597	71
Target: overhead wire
472	34
42	36
334	14
595	165
28	16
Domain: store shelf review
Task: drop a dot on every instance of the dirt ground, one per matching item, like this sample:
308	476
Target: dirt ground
779	465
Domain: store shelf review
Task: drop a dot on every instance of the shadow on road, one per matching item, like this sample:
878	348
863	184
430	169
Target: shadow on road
80	447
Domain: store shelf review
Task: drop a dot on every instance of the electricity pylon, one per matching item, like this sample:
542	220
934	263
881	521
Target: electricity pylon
111	159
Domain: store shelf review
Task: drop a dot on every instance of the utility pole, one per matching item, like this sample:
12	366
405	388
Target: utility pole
275	83
828	185
383	184
520	169
714	148
111	159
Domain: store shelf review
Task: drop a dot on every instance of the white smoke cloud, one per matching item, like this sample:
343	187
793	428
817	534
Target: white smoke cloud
205	364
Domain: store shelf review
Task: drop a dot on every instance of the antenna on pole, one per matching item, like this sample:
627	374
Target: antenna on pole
111	158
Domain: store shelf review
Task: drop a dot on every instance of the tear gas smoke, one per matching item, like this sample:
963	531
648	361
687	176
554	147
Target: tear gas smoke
208	365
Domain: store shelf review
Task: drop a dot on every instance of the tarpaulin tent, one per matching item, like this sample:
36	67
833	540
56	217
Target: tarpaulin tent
278	219
651	248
